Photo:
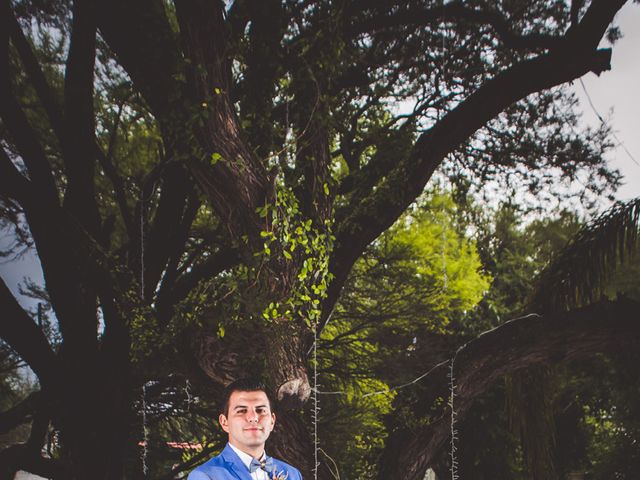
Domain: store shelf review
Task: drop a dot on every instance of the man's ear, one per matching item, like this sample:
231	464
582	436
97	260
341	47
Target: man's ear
223	422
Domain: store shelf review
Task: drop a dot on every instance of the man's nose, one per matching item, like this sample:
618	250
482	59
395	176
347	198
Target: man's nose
252	417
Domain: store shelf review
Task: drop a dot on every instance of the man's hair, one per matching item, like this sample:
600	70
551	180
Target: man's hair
244	385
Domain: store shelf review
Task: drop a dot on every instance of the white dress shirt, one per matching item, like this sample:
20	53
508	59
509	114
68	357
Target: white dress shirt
259	474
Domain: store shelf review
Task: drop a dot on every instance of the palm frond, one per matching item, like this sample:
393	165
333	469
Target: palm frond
579	273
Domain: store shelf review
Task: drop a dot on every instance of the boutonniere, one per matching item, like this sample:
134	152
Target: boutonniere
282	475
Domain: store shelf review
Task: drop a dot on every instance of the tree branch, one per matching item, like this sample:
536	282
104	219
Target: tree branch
38	80
239	16
12	183
237	172
49	224
205	123
202	31
79	123
19	457
28	145
264	65
20	413
54	112
166	232
17	124
366	217
455	12
516	345
150	54
24	336
314	161
177	248
172	293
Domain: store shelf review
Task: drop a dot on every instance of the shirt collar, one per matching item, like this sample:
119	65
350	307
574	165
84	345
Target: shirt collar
245	457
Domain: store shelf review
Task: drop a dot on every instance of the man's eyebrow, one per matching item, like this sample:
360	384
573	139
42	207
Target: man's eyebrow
244	406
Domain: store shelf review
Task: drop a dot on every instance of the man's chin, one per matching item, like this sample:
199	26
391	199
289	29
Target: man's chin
256	434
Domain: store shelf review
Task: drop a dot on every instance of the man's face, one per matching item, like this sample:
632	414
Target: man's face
249	422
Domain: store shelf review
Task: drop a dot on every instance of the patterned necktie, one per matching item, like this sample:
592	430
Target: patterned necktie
266	464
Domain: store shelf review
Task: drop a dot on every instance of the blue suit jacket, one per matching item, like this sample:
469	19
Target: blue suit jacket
228	466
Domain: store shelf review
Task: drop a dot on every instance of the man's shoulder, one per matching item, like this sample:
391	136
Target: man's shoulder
209	469
282	466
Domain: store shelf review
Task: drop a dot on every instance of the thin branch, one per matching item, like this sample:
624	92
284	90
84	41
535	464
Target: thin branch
106	162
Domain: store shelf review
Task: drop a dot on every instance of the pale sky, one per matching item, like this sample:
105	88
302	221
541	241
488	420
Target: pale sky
618	90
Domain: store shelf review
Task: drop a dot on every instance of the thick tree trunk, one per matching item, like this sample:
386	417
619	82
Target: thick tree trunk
292	441
91	407
286	366
93	428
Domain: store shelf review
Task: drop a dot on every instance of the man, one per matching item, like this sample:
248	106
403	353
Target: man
248	419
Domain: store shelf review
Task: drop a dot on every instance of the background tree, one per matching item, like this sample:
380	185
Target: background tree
200	177
428	419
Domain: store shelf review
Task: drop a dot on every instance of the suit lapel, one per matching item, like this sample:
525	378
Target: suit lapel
234	464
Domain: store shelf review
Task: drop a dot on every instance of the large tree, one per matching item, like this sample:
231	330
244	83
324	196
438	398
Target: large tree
199	177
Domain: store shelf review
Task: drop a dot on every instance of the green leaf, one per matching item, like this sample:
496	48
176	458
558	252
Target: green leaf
215	158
